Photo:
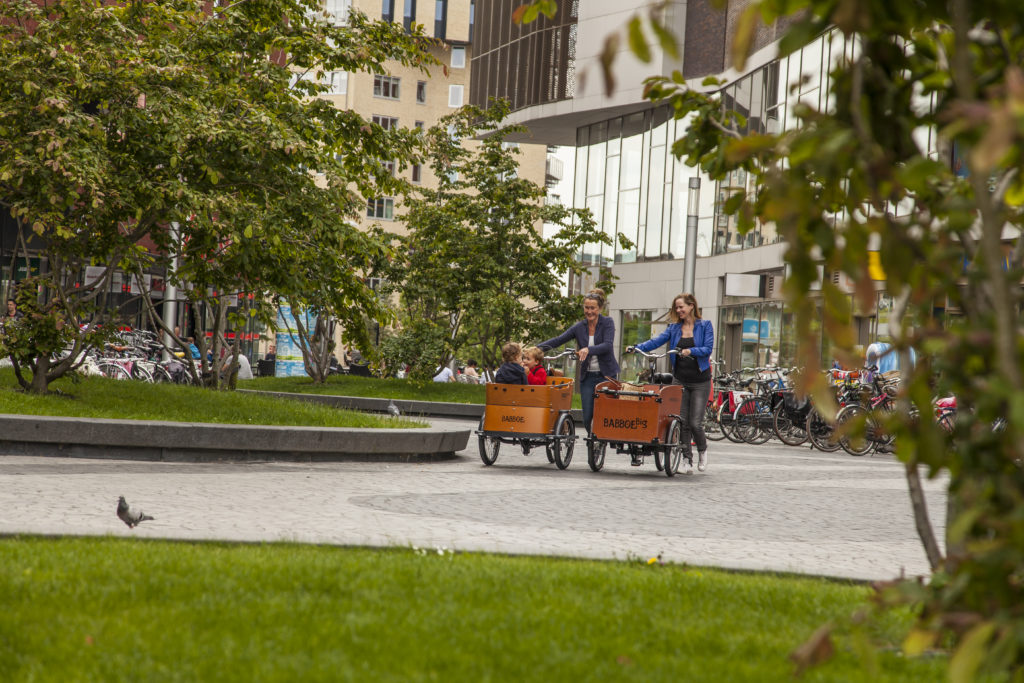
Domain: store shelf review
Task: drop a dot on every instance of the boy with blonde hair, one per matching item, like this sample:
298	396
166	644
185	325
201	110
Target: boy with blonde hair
533	360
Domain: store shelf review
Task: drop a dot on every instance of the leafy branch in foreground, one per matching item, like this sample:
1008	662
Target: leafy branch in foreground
857	179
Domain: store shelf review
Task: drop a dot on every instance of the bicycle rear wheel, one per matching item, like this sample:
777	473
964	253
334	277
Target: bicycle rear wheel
856	430
112	371
728	424
821	433
161	376
712	427
789	431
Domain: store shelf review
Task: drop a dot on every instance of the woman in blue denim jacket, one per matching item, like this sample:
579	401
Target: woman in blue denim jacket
694	338
595	339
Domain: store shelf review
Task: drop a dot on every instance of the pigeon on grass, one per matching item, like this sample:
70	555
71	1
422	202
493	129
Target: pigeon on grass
128	515
393	409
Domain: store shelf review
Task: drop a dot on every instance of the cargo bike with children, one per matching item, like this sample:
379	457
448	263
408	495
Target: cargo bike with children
638	419
530	416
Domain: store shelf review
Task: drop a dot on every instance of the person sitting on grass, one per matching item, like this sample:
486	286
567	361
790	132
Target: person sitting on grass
533	359
511	372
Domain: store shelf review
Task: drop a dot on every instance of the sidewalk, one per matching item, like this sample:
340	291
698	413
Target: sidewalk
769	507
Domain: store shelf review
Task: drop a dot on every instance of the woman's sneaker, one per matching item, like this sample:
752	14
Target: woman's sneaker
687	467
702	460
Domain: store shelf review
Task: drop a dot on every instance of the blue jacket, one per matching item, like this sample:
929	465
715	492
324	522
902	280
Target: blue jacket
511	373
604	343
703	341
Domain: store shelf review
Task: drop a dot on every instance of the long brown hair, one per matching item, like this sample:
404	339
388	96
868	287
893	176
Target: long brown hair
688	299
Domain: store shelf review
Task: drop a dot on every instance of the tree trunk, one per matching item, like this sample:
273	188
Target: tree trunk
40	384
921	521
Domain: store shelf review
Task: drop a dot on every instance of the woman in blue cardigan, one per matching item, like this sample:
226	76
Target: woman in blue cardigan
595	340
695	339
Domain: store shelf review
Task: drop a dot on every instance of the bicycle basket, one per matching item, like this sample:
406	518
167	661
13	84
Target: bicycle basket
796	406
626	386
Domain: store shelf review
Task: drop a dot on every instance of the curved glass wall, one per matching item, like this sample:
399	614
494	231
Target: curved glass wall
635	187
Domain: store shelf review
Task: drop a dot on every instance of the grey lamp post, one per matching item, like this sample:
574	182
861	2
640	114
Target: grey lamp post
690	259
170	312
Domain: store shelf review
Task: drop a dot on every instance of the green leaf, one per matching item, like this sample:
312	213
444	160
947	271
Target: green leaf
970	653
799	34
733	203
1015	193
918	641
746	28
638	41
665	38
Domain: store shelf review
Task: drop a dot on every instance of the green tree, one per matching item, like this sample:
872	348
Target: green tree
830	186
475	270
119	121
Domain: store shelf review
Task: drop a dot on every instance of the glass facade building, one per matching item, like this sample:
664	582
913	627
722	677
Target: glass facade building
629	179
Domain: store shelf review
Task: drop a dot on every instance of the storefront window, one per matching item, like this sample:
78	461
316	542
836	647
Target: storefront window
770	333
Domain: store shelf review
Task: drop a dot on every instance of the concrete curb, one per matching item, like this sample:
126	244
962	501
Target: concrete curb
203	442
380	405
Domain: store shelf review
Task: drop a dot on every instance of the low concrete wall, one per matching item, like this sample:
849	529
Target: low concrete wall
380	405
190	441
410	408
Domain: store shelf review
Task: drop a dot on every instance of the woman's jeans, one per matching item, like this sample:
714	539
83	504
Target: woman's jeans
695	399
589	382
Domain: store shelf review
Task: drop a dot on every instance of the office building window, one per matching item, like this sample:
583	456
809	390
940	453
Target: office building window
387	10
409	16
385	122
454	96
337	82
418	125
386	87
337	11
389	166
458	58
421	92
382	207
417	173
440	19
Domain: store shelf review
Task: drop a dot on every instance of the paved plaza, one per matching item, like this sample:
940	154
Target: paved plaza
767	507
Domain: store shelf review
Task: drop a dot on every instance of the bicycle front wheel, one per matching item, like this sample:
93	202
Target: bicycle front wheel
753	420
712	427
789	431
821	433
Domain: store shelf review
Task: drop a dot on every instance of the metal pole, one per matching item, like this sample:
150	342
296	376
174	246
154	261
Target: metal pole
690	260
170	312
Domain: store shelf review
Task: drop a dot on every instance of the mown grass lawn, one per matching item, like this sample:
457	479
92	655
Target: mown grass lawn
88	609
371	387
100	397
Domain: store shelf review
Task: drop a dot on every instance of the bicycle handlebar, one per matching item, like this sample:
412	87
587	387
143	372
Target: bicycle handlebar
633	349
570	353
